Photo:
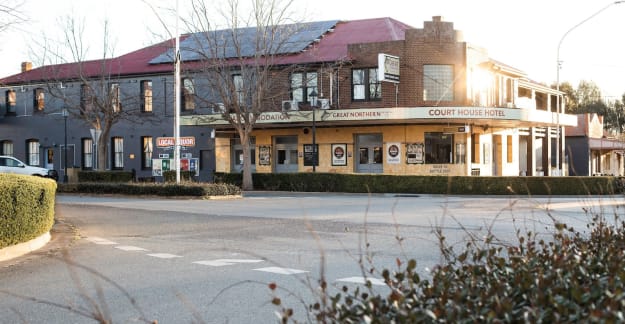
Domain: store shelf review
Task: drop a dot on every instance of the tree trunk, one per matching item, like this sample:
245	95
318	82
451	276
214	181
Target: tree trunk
248	183
102	150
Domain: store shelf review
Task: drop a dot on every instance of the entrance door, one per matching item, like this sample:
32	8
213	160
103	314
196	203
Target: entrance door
370	153
49	160
286	154
207	165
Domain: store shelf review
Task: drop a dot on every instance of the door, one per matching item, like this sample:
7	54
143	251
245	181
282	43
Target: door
370	153
207	165
286	154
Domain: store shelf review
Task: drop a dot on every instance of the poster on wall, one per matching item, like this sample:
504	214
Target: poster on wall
414	153
264	155
311	155
339	154
393	153
157	167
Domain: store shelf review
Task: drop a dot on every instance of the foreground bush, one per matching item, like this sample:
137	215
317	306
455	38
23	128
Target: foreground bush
570	278
203	190
26	208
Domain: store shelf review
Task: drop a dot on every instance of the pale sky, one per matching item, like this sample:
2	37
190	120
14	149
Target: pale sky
523	34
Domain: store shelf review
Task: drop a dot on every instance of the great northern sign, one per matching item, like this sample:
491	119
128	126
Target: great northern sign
188	141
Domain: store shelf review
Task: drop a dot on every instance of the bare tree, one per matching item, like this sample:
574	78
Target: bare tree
238	61
96	94
10	14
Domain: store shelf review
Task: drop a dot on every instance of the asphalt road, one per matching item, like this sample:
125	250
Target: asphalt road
211	261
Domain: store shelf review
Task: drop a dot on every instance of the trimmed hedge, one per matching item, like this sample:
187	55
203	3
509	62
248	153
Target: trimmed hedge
204	190
105	176
455	185
170	176
26	208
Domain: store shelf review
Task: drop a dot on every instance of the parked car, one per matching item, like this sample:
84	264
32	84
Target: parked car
9	164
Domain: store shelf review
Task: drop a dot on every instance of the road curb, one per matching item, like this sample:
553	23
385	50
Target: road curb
20	249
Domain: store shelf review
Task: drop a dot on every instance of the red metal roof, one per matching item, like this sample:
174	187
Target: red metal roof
330	48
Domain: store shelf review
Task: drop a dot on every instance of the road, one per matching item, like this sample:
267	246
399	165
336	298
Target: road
211	261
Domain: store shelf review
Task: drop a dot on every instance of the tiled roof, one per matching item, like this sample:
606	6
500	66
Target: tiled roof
327	42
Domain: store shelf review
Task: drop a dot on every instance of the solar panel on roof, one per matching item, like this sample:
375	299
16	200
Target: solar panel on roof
285	39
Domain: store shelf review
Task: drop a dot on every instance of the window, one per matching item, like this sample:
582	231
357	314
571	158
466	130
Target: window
147	147
118	152
438	148
188	94
146	96
32	151
116	104
7	148
86	99
87	153
38	99
509	148
475	148
302	85
438	83
365	85
11	102
237	80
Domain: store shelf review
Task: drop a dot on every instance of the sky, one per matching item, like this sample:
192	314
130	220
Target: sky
523	34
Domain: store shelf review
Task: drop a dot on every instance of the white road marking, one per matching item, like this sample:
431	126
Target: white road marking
100	241
129	248
362	280
278	270
586	204
165	255
225	262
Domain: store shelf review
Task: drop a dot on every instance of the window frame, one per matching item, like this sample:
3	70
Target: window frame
115	97
434	138
7	148
371	85
187	94
302	87
11	102
438	84
87	153
39	99
147	152
32	152
145	88
117	144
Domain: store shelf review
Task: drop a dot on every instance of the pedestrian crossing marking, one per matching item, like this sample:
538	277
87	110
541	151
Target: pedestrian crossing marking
225	262
129	248
278	270
363	280
164	255
100	241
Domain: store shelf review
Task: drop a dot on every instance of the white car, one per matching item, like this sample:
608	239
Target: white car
9	164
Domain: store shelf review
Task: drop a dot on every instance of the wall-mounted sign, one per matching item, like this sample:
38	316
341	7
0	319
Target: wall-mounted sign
311	156
388	68
188	141
393	153
414	153
339	154
264	155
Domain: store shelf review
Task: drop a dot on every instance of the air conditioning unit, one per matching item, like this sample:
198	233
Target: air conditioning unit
290	105
324	103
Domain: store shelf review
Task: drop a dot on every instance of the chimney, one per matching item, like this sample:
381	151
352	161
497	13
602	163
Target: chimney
27	66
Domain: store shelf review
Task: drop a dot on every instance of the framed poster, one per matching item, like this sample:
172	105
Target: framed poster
264	155
339	154
414	153
393	153
311	155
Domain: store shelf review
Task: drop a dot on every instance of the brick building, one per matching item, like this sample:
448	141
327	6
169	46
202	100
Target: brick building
373	95
446	108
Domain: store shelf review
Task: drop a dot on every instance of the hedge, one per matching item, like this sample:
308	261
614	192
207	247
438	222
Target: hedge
26	208
105	176
456	185
202	190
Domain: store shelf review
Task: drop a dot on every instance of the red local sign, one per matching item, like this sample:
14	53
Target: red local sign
171	141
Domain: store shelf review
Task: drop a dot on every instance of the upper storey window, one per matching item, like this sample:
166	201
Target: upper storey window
365	85
302	85
438	82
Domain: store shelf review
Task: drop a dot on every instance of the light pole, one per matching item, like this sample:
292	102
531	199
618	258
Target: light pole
558	66
65	113
313	104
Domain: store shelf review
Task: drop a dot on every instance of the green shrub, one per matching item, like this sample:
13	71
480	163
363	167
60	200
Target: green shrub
170	176
455	185
26	208
571	278
105	176
189	189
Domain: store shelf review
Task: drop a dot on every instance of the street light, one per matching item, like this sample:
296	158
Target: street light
558	66
313	104
65	113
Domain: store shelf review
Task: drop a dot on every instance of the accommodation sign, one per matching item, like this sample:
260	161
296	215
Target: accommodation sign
188	141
